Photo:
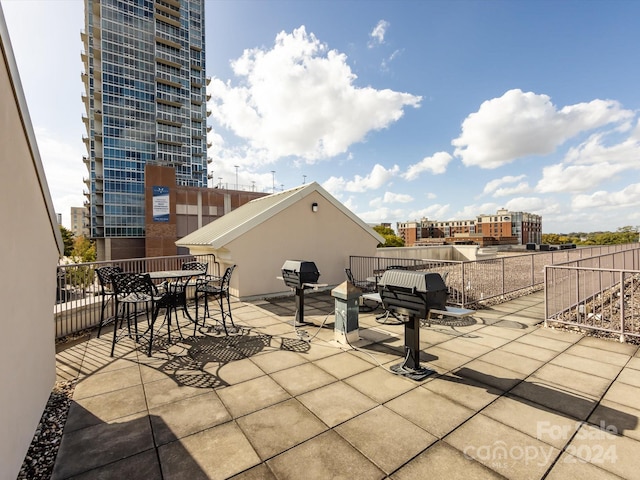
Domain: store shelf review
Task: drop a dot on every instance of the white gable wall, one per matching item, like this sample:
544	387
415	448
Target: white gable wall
29	256
327	237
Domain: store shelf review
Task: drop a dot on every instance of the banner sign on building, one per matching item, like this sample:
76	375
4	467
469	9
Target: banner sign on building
160	204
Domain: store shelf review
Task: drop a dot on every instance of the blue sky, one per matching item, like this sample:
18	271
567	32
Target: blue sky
401	109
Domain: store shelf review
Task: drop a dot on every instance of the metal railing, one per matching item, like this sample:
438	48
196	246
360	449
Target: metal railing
78	294
600	293
470	282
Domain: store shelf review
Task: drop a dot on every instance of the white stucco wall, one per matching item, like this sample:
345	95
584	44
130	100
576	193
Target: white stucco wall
28	254
327	237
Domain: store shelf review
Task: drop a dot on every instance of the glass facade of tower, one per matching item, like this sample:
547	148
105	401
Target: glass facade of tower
145	99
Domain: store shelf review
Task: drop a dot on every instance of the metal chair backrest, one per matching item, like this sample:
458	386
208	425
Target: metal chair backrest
130	286
226	279
104	278
199	266
350	276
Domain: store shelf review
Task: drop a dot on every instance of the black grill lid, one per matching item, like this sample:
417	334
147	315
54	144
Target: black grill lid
422	282
300	266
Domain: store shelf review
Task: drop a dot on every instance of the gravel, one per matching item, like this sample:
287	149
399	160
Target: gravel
38	463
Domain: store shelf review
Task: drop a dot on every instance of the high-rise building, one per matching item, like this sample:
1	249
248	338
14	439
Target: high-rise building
145	100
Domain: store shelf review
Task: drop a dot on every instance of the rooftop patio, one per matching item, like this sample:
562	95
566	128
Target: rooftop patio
510	399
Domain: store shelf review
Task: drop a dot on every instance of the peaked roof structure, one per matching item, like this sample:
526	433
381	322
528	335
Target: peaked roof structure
227	228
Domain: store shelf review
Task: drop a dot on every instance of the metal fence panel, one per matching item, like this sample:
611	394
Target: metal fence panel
78	296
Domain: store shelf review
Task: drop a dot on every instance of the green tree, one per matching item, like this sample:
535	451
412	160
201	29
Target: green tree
84	250
390	237
67	238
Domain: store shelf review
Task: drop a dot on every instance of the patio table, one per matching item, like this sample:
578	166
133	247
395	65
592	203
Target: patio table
176	292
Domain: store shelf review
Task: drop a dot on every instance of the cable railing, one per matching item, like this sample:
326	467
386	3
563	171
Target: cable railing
78	295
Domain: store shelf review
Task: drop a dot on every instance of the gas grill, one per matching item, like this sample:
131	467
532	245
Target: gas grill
409	295
300	275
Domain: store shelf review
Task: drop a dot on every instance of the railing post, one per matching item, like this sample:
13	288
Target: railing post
622	336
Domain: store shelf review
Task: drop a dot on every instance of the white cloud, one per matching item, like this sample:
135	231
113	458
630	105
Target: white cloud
378	33
390	197
469	212
378	178
381	215
494	185
64	170
436	164
575	178
525	204
520	188
627	197
520	124
434	212
299	99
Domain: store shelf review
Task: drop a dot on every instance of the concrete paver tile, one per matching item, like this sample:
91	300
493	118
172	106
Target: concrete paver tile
466	346
465	391
303	378
531	351
572	379
557	334
336	403
607	356
259	472
544	342
143	465
575	468
376	354
630	377
168	390
101	444
271	361
107	382
275	429
556	397
436	414
503	449
609	345
490	374
634	363
380	385
343	365
235	372
447	360
172	421
252	395
443	461
318	350
591	366
623	393
605	450
385	438
87	411
517	363
617	418
533	419
491	341
216	453
326	456
503	332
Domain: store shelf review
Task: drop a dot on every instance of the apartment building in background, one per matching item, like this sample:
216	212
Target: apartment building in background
78	222
145	101
502	228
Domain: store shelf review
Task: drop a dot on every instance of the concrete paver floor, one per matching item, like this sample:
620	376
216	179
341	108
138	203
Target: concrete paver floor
509	399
